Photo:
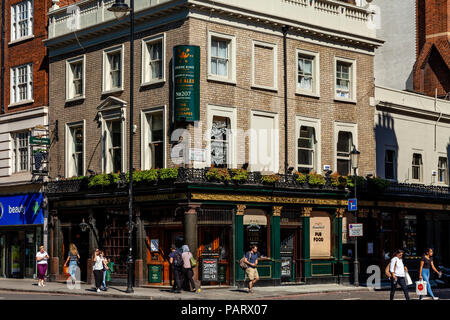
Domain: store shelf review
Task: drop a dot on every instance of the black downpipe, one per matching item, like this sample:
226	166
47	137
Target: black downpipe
286	162
2	53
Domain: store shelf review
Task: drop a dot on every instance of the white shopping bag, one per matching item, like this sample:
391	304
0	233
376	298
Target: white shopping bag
421	288
408	279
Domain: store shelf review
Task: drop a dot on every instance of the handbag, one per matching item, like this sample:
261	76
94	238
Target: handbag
408	279
66	271
421	288
193	262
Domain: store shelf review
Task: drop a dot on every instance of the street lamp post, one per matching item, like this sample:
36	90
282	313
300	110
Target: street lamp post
354	155
120	9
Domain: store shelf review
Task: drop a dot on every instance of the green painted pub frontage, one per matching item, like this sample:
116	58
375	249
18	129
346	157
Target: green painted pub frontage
301	230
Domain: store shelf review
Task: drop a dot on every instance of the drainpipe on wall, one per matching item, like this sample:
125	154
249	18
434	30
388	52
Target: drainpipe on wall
286	162
2	53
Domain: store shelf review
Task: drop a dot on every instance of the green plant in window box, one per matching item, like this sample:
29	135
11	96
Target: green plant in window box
338	181
168	173
316	179
145	176
218	174
270	179
239	175
360	181
103	180
380	184
300	178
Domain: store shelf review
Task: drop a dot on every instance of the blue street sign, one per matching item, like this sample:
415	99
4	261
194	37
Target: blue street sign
21	209
352	205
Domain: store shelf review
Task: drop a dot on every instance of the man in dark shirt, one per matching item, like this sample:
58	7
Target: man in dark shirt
176	270
251	259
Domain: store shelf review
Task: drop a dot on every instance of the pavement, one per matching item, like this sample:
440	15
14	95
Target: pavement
227	293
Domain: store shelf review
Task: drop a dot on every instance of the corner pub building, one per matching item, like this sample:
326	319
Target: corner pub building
297	225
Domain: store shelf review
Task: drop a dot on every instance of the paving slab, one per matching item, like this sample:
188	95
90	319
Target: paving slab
230	293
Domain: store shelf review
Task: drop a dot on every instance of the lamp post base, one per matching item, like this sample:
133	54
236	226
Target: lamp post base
356	280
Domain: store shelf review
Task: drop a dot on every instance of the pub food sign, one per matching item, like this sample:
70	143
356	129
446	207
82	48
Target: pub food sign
186	71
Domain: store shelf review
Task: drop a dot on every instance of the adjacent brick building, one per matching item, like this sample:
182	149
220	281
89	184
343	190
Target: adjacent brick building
432	68
24	109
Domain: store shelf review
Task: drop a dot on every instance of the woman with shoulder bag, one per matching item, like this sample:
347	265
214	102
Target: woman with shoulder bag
424	271
72	258
187	266
398	269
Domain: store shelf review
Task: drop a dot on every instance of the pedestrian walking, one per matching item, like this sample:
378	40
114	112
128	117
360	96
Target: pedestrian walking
251	259
105	269
424	271
42	264
72	258
177	263
187	267
98	269
398	269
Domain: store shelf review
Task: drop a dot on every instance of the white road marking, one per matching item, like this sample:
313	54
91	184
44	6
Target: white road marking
352	299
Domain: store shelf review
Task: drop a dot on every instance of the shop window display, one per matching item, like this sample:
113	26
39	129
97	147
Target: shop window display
409	235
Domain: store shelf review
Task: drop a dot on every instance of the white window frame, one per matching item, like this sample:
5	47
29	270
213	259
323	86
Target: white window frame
344	126
316	124
446	178
231	78
14	85
226	112
16	154
315	56
106	69
69	172
353	80
15	30
145	154
276	143
69	78
106	159
422	166
146	59
274	48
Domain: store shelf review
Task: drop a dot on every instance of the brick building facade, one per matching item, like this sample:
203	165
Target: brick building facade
432	68
24	109
242	86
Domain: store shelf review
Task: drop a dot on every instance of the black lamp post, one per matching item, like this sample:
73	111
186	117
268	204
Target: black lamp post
354	157
120	9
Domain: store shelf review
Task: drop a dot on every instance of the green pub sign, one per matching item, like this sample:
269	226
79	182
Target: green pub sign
186	65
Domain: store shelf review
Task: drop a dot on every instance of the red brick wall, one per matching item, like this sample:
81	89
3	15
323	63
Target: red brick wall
28	51
432	69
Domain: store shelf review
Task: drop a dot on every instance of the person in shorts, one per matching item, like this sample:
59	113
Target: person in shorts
251	259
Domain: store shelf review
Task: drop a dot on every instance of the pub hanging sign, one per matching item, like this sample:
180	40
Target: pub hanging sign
186	65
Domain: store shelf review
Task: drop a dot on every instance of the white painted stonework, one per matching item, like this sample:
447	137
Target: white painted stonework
410	123
10	123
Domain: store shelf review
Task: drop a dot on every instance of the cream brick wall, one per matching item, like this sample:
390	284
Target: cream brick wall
239	95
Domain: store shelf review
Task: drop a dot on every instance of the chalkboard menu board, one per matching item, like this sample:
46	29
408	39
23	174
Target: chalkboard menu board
210	267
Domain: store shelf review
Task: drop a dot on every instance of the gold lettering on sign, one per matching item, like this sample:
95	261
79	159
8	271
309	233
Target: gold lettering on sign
266	199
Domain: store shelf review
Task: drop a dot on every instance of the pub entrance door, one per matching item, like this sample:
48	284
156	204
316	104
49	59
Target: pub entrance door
290	254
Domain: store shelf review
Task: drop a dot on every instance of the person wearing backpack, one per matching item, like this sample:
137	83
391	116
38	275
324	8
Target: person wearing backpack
251	259
176	262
